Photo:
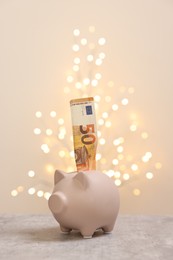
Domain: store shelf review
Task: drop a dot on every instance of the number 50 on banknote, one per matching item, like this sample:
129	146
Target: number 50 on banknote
84	133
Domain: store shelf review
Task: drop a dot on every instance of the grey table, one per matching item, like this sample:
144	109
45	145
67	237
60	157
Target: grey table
38	237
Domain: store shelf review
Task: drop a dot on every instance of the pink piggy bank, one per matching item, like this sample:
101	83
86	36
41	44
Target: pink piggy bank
84	201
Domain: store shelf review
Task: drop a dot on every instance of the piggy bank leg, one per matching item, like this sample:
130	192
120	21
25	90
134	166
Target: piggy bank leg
65	230
108	228
87	233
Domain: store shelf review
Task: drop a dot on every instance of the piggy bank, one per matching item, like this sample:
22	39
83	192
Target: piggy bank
84	201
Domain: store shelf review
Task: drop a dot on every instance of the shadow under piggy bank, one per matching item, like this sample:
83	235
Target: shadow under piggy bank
51	235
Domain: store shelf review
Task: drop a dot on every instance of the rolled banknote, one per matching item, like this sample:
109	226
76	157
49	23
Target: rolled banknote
84	133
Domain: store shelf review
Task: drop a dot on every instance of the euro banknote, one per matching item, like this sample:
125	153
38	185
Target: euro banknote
84	133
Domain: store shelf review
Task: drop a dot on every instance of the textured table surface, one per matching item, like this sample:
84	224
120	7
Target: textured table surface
39	237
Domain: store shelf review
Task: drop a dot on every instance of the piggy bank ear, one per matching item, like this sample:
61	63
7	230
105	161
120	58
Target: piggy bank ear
59	175
82	180
57	202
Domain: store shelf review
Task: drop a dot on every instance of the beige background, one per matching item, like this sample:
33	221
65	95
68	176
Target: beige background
35	55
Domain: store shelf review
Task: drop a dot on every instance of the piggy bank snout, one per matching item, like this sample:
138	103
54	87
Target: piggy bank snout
57	202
